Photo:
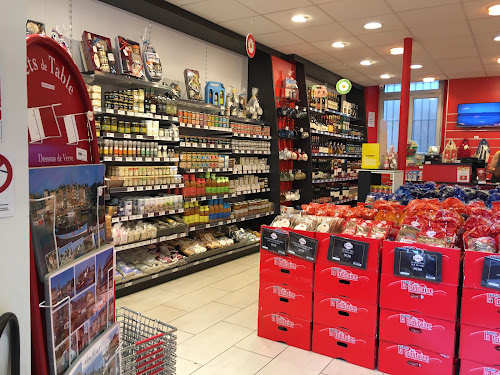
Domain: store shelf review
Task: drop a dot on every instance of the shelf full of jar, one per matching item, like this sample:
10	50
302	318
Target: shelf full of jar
205	146
131	189
124	113
140	159
340	156
335	135
332	112
229	221
226	195
118	219
138	137
337	179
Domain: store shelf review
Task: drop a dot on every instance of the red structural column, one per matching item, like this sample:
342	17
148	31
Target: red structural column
405	103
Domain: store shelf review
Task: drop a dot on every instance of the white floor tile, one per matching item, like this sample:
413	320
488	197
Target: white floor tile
197	299
339	367
188	284
259	345
234	361
242	297
182	336
247	317
204	317
252	259
226	270
293	361
238	281
210	343
142	302
185	367
164	314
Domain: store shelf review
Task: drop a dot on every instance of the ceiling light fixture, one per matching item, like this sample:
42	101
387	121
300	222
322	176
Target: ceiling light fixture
385	76
339	44
397	51
416	66
429	79
498	60
497	38
494	10
366	62
300	18
372	25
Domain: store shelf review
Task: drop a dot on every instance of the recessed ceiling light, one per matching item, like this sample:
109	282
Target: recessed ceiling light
366	62
429	79
416	66
385	76
372	25
494	10
497	38
397	51
339	44
301	18
498	60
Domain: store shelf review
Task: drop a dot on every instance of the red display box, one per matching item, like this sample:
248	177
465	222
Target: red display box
340	343
373	258
480	344
414	329
289	270
287	299
283	328
475	368
342	311
450	270
473	268
481	307
436	300
405	360
334	279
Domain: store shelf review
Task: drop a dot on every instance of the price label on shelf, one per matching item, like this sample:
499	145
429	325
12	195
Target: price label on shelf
124	218
151	214
156	187
197	126
182	144
108	158
221	223
163	238
157	159
158	117
109	110
115	220
207	225
148	115
129	158
175	269
196	263
140	188
149	188
203	145
154	276
128	284
189	125
164	186
212	145
161	213
120	112
127	136
131	113
130	189
211	170
188	144
149	159
139	136
118	158
171	212
175	118
109	135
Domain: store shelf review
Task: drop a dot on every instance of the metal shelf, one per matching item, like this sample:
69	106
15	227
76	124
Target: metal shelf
225	195
129	189
322	155
334	135
210	147
237	120
332	112
228	221
149	242
245	152
219	129
140	159
240	135
195	170
123	113
145	216
139	137
198	104
260	171
339	179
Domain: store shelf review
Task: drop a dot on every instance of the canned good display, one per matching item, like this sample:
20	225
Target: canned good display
207	142
203	119
244	145
249	164
250	207
144	205
250	129
113	147
203	160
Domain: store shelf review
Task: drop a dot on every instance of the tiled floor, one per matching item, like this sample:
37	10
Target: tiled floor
215	312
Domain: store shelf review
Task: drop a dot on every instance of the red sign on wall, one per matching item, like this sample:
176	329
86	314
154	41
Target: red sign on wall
60	118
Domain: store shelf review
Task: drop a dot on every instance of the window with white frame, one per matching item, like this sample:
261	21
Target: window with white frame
425	113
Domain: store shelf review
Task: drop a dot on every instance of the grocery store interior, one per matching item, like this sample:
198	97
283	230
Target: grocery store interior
246	187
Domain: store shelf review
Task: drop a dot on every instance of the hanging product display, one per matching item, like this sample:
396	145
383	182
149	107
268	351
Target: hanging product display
130	59
153	67
98	53
193	84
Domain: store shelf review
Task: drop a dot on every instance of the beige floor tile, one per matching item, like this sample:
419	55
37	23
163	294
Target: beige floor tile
242	297
225	270
339	367
182	336
212	342
247	317
141	302
122	301
188	284
196	299
185	367
234	361
259	345
293	361
164	314
204	317
238	281
252	259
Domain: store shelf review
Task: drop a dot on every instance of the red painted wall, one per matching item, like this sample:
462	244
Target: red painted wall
470	90
371	105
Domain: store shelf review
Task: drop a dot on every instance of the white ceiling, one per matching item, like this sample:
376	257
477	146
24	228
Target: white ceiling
451	38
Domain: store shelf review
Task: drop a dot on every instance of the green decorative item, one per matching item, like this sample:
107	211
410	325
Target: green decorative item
344	86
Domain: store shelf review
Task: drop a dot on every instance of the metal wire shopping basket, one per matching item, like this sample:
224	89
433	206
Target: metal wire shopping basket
148	346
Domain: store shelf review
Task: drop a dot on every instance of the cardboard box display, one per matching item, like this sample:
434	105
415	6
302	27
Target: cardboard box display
480	344
285	298
418	330
289	270
342	311
475	368
280	327
337	342
406	360
473	269
480	307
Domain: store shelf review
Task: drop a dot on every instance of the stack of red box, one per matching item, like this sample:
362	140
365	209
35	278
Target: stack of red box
418	309
346	298
285	297
480	317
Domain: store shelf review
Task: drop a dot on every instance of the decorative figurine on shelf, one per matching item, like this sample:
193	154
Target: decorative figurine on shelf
193	85
152	62
254	109
130	58
98	53
242	104
60	38
231	102
215	93
391	159
35	27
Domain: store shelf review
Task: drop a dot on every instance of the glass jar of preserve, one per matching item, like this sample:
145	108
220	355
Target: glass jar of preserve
128	128
121	127
136	128
106	124
114	125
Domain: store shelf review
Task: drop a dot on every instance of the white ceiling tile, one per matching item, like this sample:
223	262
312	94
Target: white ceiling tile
333	65
431	31
219	10
478	8
182	2
367	82
321	1
269	6
326	45
280	38
492	69
468	74
451	48
331	31
284	18
402	5
321	57
390	22
460	65
485	25
385	38
453	13
255	25
299	49
346	71
342	10
490	58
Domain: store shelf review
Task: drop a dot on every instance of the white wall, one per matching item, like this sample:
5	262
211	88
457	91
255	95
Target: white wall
177	50
14	232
